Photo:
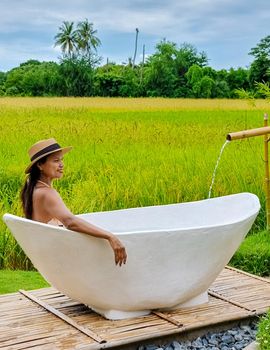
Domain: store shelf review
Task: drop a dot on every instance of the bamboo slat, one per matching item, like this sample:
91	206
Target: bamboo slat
65	318
216	295
248	274
167	318
23	324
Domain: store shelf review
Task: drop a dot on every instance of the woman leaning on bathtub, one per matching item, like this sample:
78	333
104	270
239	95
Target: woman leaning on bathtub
41	202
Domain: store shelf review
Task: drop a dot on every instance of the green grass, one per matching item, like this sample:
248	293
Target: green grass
12	281
129	153
133	152
263	335
254	254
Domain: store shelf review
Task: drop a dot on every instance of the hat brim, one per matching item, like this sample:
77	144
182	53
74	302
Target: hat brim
63	149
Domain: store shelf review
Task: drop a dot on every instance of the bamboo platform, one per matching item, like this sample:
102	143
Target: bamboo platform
51	320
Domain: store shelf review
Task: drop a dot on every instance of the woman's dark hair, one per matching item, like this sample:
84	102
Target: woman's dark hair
28	188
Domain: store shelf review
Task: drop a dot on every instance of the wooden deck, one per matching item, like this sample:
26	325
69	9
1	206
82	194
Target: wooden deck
24	324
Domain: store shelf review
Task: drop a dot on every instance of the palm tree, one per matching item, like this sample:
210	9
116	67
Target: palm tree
86	38
66	38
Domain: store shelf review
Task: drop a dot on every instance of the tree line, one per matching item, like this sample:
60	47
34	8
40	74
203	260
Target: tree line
171	71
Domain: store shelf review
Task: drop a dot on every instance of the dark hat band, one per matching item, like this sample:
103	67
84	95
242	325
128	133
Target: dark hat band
53	147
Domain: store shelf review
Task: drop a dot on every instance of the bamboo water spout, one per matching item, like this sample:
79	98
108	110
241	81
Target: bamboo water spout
248	133
265	130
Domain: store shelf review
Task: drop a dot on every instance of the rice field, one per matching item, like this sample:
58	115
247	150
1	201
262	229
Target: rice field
130	152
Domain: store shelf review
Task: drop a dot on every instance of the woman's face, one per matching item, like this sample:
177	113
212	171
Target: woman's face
53	166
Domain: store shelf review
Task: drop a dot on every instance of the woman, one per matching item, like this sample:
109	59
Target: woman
41	202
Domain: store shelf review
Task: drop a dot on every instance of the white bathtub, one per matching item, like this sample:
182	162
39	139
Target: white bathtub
175	252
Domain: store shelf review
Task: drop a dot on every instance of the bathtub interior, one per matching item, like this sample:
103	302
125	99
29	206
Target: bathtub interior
205	213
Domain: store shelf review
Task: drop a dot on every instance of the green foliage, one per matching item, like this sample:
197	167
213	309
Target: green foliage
263	89
194	74
79	48
243	94
115	80
2	81
164	73
259	70
78	44
171	71
206	87
262	49
66	38
186	56
75	78
160	71
260	66
263	335
221	89
108	83
200	81
33	78
254	254
86	38
237	79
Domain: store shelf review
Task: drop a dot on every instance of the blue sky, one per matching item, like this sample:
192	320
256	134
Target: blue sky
225	29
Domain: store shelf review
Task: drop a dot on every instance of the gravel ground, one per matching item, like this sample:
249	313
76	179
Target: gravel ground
236	338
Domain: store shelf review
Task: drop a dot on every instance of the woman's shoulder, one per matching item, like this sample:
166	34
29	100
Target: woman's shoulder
41	192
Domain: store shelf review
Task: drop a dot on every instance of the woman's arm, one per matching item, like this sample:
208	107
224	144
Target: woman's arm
55	207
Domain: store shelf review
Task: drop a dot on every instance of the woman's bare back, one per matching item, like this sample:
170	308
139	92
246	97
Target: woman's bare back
40	212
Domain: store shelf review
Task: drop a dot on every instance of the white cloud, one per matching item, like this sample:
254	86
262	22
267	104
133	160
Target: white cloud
206	23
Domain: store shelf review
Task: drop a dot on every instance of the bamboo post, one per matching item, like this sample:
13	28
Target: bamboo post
265	130
266	164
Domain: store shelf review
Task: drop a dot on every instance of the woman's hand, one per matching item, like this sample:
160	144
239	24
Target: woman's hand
120	254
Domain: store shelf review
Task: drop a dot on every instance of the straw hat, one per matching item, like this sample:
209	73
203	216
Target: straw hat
43	148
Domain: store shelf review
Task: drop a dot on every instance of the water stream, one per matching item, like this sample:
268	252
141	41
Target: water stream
215	170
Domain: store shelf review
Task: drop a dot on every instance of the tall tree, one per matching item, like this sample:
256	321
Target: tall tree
66	38
160	70
86	38
261	49
187	55
259	67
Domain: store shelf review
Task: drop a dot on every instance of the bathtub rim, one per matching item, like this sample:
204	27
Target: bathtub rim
172	230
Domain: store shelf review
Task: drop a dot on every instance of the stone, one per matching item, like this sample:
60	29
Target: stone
168	348
177	346
227	338
246	329
151	347
238	337
197	343
239	346
205	342
213	340
233	332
